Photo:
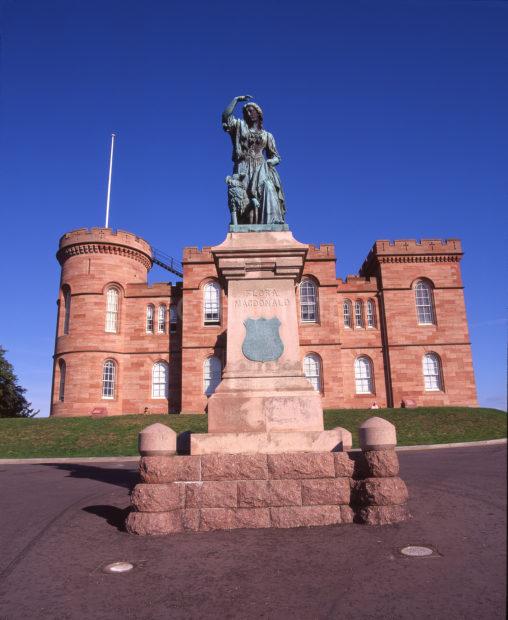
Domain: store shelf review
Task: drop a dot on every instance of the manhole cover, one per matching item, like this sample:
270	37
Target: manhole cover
118	567
415	551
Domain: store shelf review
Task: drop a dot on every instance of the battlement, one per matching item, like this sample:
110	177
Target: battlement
193	254
412	250
325	251
157	289
358	284
105	235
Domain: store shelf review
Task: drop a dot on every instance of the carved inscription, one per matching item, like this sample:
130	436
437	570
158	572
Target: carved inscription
261	298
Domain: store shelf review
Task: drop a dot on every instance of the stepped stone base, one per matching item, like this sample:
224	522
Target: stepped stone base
228	491
336	440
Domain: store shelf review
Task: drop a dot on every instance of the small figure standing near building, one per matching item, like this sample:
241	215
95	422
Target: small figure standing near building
374	405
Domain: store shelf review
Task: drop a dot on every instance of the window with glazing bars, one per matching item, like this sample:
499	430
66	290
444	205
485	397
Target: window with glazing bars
160	377
312	370
161	320
211	293
424	305
67	302
308	301
363	375
108	379
432	373
212	374
358	313
149	319
371	313
347	313
173	319
112	310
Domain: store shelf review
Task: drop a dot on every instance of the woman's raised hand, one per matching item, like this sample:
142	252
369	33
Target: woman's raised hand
244	97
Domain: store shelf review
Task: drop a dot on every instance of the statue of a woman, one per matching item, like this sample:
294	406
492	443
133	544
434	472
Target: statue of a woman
258	175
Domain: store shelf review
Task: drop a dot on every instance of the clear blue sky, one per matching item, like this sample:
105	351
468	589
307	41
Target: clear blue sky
391	119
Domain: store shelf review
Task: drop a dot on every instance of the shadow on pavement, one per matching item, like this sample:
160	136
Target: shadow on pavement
120	477
113	515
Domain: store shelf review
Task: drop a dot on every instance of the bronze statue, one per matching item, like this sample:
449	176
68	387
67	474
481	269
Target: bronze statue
255	194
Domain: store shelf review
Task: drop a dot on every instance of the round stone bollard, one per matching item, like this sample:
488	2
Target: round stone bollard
377	434
157	440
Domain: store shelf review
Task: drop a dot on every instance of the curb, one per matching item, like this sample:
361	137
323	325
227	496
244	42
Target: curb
131	459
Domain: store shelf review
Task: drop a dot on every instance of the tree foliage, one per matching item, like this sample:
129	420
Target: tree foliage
13	403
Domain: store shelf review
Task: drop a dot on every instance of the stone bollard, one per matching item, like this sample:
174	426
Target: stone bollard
157	440
380	496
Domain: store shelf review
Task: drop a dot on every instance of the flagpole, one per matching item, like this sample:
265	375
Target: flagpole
109	179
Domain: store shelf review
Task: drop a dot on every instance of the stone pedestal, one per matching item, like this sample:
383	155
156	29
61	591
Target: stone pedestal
264	397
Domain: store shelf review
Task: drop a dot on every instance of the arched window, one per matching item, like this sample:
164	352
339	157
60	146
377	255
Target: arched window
424	304
112	310
160	380
61	385
371	313
150	310
108	379
432	376
358	313
211	303
363	375
348	322
173	319
161	320
312	370
308	301
67	304
212	374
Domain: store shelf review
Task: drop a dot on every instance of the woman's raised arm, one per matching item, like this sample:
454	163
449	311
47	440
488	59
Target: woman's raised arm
231	107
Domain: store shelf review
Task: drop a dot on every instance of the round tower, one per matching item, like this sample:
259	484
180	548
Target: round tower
97	266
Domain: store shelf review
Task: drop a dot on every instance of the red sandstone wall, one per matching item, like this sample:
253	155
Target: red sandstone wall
199	341
93	259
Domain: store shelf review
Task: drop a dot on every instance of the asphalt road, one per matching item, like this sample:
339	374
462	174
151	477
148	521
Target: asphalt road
61	524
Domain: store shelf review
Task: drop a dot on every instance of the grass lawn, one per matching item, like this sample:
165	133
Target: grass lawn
117	436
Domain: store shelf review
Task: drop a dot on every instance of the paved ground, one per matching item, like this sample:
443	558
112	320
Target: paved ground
59	525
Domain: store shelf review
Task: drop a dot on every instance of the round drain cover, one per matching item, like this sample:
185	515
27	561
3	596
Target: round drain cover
119	567
415	551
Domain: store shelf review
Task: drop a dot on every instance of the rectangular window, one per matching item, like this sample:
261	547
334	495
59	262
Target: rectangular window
149	319
358	314
173	319
161	324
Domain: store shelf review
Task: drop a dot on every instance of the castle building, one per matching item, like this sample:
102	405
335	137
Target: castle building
394	335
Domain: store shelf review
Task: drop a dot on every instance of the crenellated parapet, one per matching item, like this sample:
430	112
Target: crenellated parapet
193	254
325	251
357	284
412	251
121	243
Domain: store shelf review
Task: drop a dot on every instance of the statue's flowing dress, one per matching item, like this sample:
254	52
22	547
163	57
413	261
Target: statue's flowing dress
261	180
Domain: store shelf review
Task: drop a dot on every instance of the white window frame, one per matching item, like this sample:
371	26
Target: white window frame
61	383
109	379
160	380
149	324
312	369
359	322
161	319
211	303
346	313
364	375
309	301
432	373
212	374
371	314
67	310
424	302
112	305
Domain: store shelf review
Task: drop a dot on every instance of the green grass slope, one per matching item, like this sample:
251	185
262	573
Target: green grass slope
117	436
